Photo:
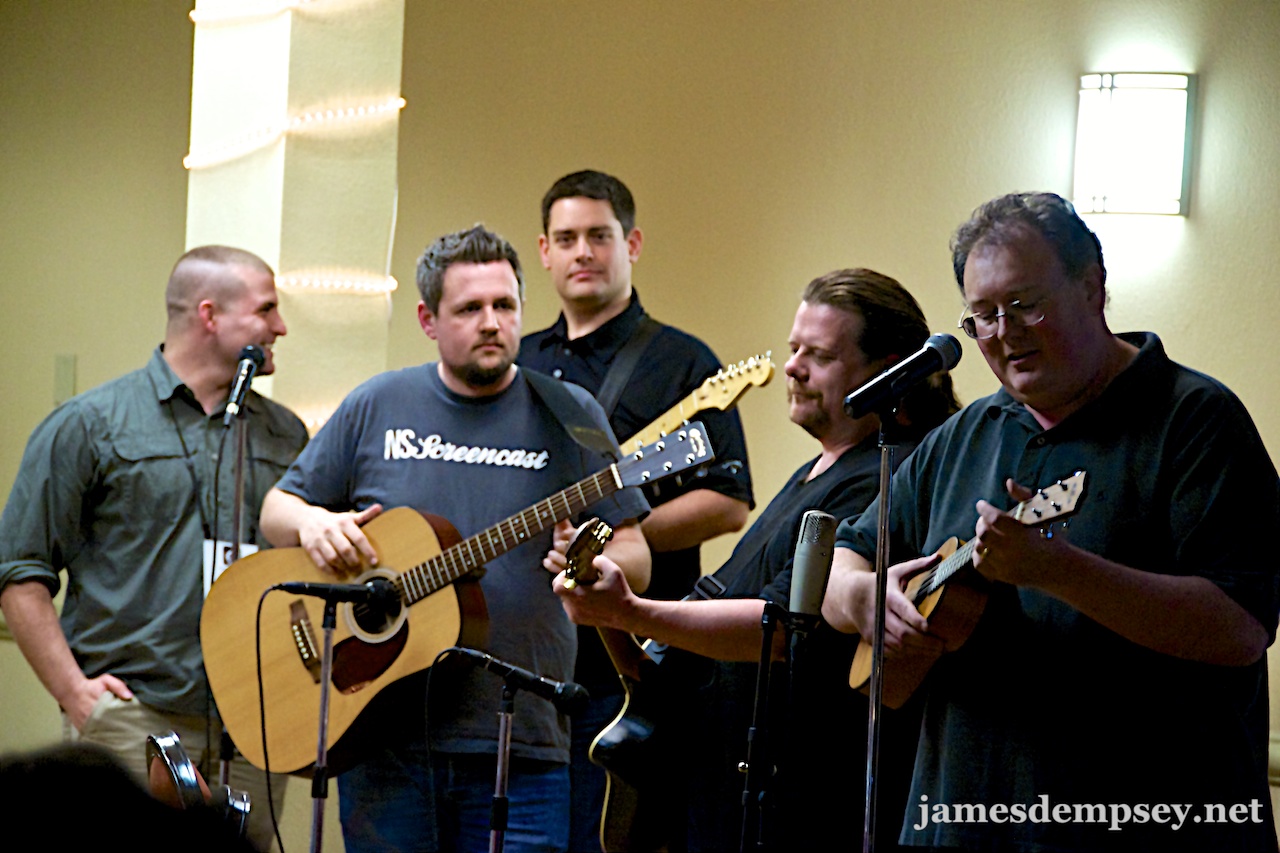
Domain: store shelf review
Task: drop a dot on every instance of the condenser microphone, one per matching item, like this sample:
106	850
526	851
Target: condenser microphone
251	359
940	352
568	697
811	566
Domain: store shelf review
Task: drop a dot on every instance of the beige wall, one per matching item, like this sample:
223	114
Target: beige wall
766	143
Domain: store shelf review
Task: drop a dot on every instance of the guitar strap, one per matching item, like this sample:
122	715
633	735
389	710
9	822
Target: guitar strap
575	420
571	415
624	364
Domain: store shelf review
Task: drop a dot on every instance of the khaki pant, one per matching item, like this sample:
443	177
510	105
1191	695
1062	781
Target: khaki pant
122	726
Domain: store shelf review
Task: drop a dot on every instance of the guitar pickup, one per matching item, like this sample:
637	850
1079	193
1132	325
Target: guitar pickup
304	639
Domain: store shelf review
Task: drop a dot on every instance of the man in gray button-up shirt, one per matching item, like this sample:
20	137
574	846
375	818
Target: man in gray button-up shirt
124	487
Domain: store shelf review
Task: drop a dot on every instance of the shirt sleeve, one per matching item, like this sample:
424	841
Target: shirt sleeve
321	475
1224	492
41	530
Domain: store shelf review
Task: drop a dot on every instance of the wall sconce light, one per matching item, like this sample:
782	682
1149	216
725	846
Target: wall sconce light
1133	143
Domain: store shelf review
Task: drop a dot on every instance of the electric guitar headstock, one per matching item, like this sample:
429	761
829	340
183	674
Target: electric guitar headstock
586	546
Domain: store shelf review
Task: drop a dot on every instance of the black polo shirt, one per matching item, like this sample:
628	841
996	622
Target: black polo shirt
1044	705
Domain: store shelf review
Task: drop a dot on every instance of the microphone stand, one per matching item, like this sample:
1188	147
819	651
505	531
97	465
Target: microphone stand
227	749
501	805
320	778
888	443
757	768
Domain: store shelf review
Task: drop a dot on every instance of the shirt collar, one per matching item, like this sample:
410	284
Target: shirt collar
165	382
168	386
607	339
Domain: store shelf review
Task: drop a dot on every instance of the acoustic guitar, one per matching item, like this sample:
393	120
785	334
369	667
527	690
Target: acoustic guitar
423	558
952	596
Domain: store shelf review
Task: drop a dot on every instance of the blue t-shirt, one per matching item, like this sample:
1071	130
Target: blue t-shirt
404	439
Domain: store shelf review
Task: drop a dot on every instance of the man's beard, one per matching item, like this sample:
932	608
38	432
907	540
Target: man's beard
479	376
816	421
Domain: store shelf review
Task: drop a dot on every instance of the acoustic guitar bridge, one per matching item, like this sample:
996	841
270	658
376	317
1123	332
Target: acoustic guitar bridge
304	639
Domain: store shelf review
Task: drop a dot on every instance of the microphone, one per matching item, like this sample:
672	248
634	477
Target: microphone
376	592
940	352
812	563
568	697
251	358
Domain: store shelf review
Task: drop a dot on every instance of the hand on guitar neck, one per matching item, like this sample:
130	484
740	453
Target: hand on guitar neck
932	604
610	598
1013	550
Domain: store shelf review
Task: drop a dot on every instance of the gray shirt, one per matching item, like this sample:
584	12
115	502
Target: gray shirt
117	486
404	439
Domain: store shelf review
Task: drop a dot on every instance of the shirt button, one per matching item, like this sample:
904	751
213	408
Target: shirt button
568	351
557	373
1040	441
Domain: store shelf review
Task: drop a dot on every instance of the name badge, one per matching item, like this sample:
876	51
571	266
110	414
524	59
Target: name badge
217	556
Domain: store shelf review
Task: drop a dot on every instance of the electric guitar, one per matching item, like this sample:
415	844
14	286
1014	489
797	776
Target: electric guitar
423	558
630	749
717	392
952	596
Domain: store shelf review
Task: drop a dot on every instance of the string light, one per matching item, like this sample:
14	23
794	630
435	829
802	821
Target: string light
316	415
258	139
335	282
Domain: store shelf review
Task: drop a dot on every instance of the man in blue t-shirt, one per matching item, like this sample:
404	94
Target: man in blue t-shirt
469	438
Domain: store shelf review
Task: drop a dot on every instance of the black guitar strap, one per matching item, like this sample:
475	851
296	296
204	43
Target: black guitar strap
575	420
571	415
624	364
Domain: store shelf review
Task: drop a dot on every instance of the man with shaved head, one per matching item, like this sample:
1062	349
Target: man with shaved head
129	488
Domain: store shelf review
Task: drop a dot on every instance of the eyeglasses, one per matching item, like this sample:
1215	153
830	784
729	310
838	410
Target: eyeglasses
987	324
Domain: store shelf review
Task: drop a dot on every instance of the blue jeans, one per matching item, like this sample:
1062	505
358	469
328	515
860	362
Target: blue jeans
587	779
409	801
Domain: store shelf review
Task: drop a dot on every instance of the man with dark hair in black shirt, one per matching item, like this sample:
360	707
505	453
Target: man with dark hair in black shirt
850	326
589	244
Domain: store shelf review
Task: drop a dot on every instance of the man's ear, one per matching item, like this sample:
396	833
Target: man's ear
544	251
207	311
427	320
635	242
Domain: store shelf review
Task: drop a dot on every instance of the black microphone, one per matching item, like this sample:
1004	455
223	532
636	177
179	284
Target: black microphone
372	592
251	359
810	568
568	697
940	352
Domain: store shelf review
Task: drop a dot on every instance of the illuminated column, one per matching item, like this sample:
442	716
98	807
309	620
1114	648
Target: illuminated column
294	122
